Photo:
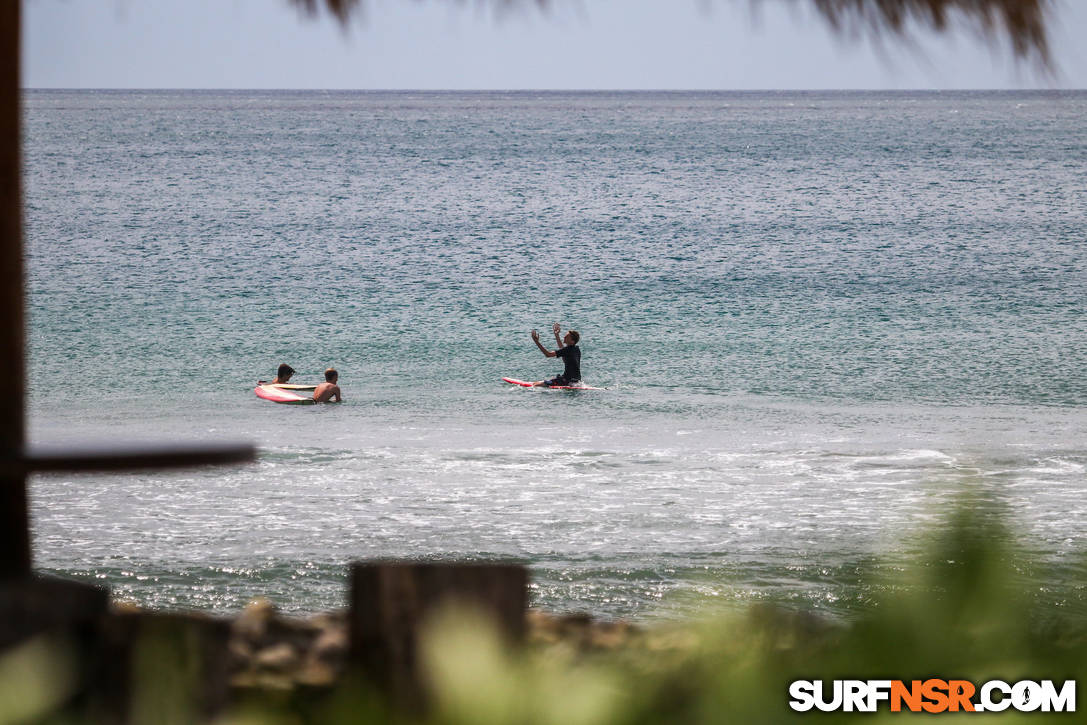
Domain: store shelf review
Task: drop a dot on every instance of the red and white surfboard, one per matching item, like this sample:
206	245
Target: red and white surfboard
281	394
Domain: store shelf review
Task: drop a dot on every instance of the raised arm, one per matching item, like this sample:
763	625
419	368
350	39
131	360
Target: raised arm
558	340
544	350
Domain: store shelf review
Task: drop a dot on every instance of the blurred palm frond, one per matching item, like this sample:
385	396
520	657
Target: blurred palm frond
1023	23
343	9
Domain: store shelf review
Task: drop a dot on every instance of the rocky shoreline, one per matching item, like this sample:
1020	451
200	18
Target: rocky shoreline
269	650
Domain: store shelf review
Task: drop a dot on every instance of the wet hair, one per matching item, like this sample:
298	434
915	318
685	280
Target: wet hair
331	375
285	370
575	335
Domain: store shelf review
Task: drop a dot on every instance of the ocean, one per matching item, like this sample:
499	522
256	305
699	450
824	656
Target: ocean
822	319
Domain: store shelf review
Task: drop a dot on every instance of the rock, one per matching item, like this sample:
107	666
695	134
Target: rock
610	635
578	631
252	623
328	620
330	647
316	674
279	657
298	632
123	606
542	628
241	653
263	681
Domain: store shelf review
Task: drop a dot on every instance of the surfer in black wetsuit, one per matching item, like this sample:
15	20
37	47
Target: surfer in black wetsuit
568	351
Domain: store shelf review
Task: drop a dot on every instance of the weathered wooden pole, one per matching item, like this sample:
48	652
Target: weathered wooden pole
392	601
14	521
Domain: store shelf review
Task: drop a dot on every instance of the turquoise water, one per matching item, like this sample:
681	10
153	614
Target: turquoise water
819	316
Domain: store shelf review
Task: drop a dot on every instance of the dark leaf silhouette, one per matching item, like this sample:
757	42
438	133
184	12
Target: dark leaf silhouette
1021	22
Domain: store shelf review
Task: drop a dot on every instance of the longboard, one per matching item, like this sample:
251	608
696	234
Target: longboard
277	394
526	384
288	386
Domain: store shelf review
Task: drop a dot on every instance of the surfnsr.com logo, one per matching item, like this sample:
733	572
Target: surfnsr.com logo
932	695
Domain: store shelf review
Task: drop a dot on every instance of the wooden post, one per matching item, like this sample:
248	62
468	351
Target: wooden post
69	614
389	602
161	667
14	522
34	606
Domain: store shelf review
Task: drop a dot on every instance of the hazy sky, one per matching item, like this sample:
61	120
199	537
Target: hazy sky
591	44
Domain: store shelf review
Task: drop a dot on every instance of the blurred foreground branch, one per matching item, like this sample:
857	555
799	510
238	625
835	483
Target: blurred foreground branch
1022	23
